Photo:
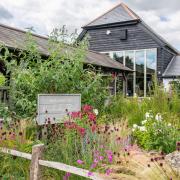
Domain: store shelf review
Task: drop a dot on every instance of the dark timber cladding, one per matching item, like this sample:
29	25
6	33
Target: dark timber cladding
139	35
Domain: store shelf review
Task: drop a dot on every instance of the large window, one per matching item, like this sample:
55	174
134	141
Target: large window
140	67
118	56
129	62
143	62
150	69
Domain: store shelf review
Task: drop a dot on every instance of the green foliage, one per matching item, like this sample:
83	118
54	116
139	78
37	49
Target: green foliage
2	79
124	108
13	168
156	134
134	108
61	72
16	135
4	111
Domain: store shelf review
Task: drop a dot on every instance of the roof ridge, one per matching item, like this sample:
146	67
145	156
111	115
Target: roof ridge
23	31
130	11
103	14
124	6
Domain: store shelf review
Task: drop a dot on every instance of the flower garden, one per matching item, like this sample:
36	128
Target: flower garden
129	138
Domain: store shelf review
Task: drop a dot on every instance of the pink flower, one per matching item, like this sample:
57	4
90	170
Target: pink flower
93	165
93	128
80	161
76	115
87	108
91	116
108	171
96	154
109	155
96	161
101	158
82	131
67	175
90	173
70	125
110	158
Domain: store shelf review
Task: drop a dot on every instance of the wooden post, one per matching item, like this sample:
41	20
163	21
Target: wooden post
115	84
35	173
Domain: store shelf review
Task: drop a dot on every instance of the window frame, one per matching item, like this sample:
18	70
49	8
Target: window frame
134	67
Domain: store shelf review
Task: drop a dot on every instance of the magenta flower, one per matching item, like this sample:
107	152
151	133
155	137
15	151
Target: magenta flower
93	128
90	173
91	116
76	115
67	175
93	165
96	161
80	161
82	131
101	158
108	171
110	158
109	155
87	108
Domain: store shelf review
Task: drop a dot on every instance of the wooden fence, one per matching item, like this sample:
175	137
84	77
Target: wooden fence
36	162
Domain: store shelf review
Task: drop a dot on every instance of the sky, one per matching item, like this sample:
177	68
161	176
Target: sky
45	15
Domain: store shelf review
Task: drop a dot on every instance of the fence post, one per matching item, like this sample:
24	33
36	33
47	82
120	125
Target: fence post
35	173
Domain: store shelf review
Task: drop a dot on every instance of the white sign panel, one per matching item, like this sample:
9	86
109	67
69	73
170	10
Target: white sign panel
53	108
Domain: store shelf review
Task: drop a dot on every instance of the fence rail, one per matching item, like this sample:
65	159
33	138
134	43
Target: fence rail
36	162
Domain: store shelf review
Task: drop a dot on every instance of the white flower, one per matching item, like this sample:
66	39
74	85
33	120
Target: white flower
142	128
135	126
144	122
147	115
6	108
151	116
169	124
158	117
96	112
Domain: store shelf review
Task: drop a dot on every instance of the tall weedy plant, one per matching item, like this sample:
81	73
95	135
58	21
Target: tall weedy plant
60	71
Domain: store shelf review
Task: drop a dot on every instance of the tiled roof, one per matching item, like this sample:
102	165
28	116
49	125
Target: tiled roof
120	13
173	69
15	38
104	61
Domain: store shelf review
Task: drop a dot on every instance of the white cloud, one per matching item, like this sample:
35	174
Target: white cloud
44	15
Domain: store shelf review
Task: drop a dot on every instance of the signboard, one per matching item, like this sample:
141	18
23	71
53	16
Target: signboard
53	108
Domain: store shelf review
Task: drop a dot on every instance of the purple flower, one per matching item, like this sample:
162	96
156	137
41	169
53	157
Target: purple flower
108	171
90	173
101	158
93	165
110	158
68	174
95	160
80	161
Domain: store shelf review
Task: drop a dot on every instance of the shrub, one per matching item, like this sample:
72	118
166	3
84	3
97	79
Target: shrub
2	79
62	72
156	134
13	136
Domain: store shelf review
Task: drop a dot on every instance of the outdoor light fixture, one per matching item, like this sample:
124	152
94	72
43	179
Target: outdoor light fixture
108	32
